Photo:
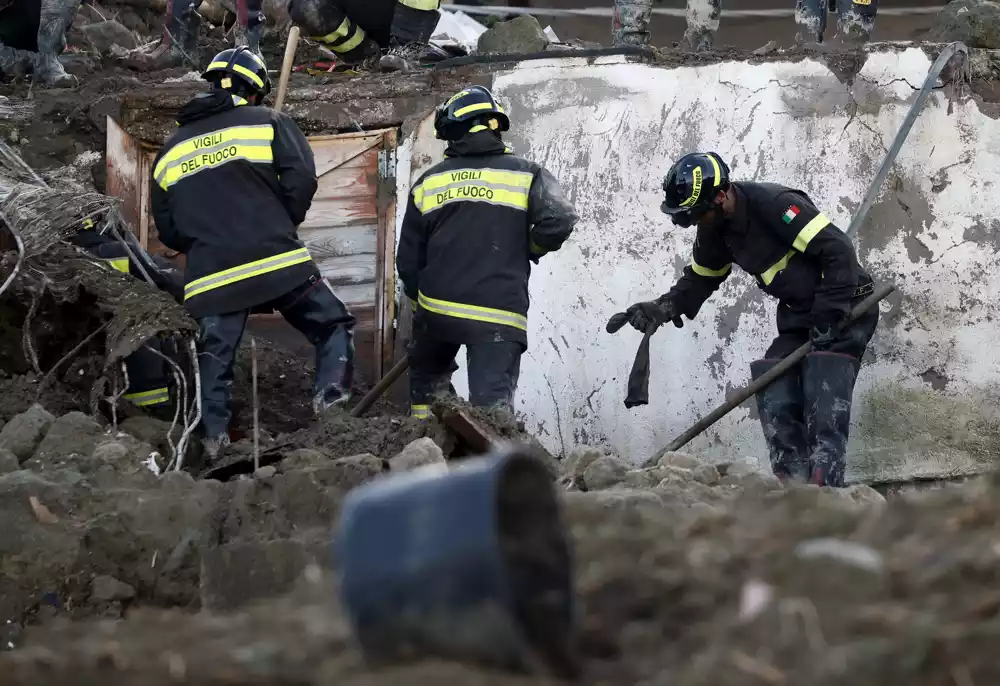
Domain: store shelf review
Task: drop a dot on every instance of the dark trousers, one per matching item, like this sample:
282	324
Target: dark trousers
182	19
806	413
315	311
148	387
493	366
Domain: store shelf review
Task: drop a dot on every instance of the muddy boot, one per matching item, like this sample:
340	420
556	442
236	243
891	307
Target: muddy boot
48	70
179	44
411	30
214	448
828	388
855	22
319	315
780	408
702	23
810	16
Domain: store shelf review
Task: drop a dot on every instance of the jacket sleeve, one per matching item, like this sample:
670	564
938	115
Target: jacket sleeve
295	165
411	256
797	221
711	264
550	215
159	199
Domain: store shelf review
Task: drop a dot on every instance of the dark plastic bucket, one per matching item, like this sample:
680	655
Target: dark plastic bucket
470	564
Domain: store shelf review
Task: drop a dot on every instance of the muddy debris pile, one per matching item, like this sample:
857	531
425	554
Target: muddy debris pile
690	571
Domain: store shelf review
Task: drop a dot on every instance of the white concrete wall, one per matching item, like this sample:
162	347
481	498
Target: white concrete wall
927	397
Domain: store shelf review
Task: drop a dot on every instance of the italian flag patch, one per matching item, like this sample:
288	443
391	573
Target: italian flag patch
790	214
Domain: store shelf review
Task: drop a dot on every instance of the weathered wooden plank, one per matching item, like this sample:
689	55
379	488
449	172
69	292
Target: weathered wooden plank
331	153
348	269
360	297
332	241
336	212
124	164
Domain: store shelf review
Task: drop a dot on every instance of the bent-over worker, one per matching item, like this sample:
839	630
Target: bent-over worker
473	225
800	257
230	186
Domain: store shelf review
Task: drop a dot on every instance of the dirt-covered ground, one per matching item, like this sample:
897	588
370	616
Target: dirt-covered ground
687	573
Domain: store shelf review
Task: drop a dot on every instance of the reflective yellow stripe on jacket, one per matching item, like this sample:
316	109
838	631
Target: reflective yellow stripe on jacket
146	398
492	186
344	38
473	312
420	411
245	271
802	240
249	143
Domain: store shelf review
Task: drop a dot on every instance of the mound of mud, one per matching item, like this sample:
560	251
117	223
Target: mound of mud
687	572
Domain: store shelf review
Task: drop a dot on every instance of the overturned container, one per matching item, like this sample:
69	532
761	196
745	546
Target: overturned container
472	564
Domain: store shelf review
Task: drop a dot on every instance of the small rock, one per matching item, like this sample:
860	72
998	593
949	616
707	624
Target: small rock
22	434
766	49
103	35
107	589
110	452
302	458
861	493
520	35
674	475
755	596
847	552
974	22
265	473
348	472
678	460
579	460
421	452
604	472
72	434
706	474
8	461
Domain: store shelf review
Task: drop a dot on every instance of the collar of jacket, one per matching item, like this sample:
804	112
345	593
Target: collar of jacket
206	104
479	143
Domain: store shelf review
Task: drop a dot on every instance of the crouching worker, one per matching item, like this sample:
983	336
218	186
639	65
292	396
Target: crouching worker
797	255
230	186
395	33
473	225
148	376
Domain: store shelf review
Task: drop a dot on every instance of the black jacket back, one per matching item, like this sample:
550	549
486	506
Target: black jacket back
229	188
473	223
794	252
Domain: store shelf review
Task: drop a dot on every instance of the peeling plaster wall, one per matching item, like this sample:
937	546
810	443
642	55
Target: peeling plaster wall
927	397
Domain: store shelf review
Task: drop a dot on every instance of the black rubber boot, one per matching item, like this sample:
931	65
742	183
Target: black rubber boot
828	388
780	407
323	319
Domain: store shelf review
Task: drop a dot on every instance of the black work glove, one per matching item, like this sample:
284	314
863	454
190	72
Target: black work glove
645	315
822	335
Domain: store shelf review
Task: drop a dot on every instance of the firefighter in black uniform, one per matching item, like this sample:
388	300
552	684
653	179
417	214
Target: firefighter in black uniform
799	256
229	188
148	387
473	224
361	30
